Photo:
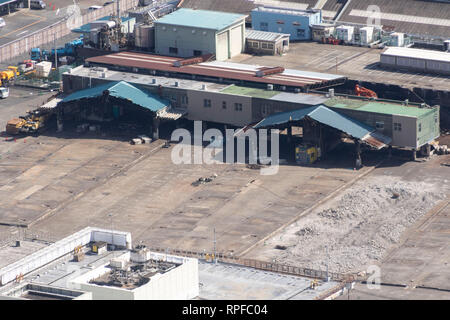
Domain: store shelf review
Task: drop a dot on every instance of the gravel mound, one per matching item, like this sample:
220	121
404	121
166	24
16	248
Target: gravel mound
357	227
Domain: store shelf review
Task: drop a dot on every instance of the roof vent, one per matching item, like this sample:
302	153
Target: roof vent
153	80
177	84
204	87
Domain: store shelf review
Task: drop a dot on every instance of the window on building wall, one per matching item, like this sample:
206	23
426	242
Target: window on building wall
238	106
264	26
173	50
253	44
207	103
270	46
420	127
296	23
264	45
184	99
300	33
397	126
224	104
379	125
197	53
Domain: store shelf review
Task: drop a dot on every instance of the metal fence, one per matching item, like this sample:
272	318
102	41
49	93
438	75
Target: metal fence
261	265
56	31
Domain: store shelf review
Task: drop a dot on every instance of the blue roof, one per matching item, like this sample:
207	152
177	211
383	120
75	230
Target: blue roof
201	19
122	90
323	115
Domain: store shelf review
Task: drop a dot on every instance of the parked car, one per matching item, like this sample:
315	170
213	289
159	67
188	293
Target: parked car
37	4
92	8
2	23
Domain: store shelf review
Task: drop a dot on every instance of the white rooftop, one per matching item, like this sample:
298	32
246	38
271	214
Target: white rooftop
418	54
264	35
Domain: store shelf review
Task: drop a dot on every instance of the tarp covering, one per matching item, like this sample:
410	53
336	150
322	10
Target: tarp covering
121	90
330	118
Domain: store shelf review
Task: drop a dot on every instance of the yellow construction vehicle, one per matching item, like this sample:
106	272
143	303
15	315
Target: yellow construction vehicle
14	125
32	123
15	70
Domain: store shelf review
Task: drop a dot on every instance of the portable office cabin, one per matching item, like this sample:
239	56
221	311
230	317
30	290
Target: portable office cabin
262	42
295	22
186	33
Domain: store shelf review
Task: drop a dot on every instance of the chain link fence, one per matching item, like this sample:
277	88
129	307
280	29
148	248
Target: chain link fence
261	265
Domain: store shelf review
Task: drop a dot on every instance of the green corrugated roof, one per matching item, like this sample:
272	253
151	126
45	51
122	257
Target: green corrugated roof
122	90
376	107
201	19
2	2
251	92
323	115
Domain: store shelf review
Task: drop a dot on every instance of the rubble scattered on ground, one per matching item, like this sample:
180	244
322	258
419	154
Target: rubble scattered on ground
202	180
357	227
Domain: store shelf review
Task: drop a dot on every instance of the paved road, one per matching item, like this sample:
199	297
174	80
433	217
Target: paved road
25	21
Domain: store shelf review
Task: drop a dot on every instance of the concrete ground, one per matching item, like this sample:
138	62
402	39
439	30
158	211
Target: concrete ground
79	181
357	63
420	265
76	180
223	281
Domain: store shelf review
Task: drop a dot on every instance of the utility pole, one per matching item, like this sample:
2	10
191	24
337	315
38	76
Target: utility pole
112	231
215	259
56	54
328	277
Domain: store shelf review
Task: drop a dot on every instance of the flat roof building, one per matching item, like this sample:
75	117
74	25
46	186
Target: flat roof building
188	33
416	60
72	268
295	22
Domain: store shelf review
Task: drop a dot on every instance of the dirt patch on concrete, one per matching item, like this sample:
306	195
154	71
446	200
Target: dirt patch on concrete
357	227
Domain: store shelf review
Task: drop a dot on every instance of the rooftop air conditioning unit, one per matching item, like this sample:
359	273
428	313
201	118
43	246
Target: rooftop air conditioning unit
270	87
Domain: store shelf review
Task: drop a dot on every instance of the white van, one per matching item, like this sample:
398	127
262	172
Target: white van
37	4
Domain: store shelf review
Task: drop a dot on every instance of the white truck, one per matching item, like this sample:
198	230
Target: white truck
4	92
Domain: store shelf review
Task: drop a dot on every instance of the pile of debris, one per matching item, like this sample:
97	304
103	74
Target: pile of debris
204	180
141	139
441	149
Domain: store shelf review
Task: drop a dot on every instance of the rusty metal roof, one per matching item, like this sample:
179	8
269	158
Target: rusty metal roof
225	70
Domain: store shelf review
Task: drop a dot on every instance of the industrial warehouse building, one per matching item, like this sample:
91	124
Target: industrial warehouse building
232	104
75	268
188	33
295	22
416	60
